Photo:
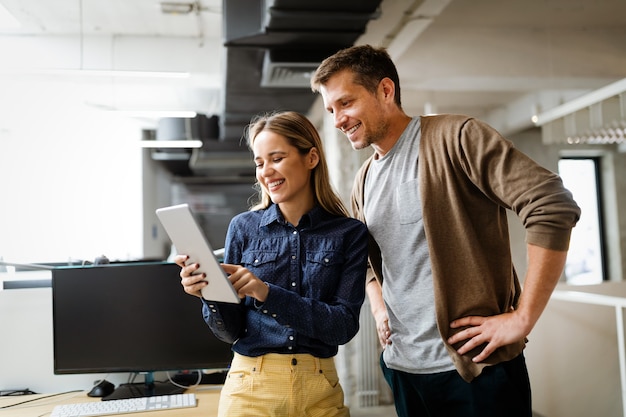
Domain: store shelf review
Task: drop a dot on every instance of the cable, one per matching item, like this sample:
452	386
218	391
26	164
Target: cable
38	398
25	391
169	377
131	377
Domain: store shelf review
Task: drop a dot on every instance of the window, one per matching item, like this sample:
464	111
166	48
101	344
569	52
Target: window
585	260
71	188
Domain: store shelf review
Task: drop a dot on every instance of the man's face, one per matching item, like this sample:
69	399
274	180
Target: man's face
357	112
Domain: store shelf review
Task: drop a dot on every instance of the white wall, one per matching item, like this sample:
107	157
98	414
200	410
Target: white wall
572	357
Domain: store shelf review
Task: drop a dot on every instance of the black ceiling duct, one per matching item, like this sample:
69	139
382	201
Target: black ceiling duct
200	127
272	47
177	160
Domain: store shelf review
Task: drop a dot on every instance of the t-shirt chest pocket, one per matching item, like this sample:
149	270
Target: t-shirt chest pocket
408	203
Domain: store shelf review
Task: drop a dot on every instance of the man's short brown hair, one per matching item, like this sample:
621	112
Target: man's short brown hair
368	64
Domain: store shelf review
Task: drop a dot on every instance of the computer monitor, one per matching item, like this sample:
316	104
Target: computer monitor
130	318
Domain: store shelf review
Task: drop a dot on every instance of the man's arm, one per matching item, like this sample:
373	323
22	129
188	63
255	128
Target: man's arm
379	311
544	271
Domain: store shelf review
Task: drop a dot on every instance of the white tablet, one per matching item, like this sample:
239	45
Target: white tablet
189	239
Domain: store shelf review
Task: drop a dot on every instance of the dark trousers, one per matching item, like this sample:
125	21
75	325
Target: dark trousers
501	390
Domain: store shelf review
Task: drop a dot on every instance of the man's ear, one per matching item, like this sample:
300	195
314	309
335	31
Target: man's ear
313	158
387	89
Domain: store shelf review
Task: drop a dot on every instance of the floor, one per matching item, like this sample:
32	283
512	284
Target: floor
379	411
386	411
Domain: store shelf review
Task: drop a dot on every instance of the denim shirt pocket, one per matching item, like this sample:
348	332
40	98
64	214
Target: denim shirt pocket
324	267
260	263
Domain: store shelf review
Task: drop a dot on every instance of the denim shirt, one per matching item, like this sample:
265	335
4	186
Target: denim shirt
316	278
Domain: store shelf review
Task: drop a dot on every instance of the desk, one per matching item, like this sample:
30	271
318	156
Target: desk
41	405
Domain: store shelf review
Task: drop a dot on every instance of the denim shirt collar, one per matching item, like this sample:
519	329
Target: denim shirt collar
272	214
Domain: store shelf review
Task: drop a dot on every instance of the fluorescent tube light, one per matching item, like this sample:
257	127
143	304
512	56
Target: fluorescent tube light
113	73
171	144
176	8
158	114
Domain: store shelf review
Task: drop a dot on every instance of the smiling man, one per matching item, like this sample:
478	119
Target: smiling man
449	309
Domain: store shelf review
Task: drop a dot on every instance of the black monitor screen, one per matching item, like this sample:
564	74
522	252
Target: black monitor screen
129	318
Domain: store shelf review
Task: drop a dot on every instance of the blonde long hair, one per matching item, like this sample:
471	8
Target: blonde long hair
301	134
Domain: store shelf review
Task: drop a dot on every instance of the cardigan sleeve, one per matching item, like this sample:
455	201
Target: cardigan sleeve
357	200
512	179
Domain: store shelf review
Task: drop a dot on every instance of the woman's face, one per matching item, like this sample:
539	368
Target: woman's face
281	170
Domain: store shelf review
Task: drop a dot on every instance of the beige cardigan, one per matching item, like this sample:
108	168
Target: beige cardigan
471	176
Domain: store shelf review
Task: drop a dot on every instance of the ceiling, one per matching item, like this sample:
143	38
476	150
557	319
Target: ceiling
500	60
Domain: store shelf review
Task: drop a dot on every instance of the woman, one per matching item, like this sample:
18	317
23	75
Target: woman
298	262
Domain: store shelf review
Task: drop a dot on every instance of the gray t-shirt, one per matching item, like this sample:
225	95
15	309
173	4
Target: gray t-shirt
394	217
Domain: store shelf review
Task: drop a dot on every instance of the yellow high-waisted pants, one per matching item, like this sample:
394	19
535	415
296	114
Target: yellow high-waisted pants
282	385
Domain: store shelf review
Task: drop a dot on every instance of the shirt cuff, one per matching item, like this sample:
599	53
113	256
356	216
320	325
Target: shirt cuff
257	304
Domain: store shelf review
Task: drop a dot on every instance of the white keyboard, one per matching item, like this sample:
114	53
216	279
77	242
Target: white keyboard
124	406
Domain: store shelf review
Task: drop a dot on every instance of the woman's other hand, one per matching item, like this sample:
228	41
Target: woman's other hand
192	283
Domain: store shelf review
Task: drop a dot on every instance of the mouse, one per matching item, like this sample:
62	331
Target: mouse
102	389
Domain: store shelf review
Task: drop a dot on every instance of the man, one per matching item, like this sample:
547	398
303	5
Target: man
450	312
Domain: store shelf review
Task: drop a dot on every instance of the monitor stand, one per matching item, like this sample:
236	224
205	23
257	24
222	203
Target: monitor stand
149	388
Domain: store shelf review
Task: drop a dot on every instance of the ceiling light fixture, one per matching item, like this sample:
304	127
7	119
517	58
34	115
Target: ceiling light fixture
171	144
186	8
157	114
113	73
168	7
